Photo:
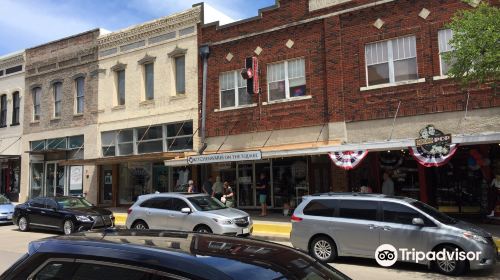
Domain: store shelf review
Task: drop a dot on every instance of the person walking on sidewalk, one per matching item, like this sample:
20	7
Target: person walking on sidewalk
387	185
228	195
262	186
217	188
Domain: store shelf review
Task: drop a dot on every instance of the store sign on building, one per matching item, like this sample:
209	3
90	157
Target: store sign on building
225	157
433	148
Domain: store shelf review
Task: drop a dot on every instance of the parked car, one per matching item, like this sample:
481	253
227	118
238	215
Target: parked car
160	255
6	210
66	214
347	224
187	212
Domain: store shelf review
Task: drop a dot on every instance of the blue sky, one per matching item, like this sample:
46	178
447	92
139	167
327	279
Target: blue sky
27	23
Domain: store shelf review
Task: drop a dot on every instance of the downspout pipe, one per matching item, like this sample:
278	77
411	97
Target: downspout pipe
204	53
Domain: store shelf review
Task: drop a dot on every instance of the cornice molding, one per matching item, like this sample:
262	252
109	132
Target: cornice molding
159	26
12	61
147	59
177	52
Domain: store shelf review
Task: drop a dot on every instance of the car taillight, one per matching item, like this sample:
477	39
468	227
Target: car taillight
129	211
296	219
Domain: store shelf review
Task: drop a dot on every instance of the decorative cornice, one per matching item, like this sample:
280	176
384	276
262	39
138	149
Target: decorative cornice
147	59
162	25
177	52
12	61
118	66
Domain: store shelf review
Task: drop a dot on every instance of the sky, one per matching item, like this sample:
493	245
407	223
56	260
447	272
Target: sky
28	23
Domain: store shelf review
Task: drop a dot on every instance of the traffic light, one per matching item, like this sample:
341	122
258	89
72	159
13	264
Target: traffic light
251	74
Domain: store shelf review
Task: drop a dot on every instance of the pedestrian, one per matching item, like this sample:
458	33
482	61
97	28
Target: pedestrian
387	185
228	195
217	188
494	195
207	186
191	187
262	186
364	187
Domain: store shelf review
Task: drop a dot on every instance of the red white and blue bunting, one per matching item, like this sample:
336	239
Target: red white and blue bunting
348	159
430	160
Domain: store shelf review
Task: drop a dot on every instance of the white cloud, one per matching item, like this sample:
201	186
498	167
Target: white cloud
211	14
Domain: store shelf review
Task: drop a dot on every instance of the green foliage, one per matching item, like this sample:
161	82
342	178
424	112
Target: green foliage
476	44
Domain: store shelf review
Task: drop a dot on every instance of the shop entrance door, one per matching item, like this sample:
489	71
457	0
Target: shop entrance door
248	176
55	179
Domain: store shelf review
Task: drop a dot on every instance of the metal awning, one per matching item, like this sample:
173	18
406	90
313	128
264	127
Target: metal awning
121	159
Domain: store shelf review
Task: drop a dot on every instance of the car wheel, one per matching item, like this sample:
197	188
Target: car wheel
323	249
68	227
140	225
203	229
450	266
23	224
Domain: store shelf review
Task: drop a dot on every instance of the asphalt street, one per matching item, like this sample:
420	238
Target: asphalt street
14	244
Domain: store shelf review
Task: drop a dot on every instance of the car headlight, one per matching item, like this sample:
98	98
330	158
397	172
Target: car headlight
475	237
224	221
84	219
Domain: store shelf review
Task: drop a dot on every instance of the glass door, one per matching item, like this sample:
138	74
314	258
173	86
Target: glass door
107	184
55	179
245	189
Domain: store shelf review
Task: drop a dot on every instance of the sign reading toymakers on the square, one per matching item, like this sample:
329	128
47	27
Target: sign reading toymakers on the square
433	148
225	157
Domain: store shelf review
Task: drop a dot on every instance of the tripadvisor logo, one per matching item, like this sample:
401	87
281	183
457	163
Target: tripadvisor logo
386	255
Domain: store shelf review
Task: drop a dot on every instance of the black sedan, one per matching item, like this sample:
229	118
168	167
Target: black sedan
66	214
161	255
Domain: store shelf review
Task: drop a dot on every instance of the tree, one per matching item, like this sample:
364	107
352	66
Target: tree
476	45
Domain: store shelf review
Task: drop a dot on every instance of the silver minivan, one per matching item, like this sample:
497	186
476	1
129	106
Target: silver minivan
352	224
187	212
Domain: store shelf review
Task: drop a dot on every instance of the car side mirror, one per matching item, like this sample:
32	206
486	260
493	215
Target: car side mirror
417	221
186	210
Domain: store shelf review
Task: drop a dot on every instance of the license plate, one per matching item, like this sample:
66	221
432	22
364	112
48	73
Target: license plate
246	230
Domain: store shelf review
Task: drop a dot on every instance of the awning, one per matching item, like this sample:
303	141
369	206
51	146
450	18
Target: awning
122	159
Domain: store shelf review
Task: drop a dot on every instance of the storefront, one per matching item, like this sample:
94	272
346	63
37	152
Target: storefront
49	176
10	174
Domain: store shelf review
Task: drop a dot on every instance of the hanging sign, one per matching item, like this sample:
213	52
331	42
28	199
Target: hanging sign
225	157
348	159
433	148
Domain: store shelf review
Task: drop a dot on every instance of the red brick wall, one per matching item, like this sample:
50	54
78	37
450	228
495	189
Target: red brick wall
333	49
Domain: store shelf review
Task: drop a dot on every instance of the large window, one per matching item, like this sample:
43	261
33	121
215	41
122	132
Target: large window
36	96
57	87
180	74
120	87
444	37
3	110
149	80
286	79
391	61
233	90
80	94
159	138
358	209
15	108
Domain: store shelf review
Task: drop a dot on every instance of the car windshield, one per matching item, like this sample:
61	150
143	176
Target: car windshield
72	202
4	200
433	212
206	203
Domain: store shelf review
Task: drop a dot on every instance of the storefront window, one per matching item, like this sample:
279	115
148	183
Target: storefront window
289	181
160	177
135	180
180	177
76	180
245	185
37	177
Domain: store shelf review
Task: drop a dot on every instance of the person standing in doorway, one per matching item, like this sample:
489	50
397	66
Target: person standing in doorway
387	185
207	186
217	188
228	195
262	186
191	187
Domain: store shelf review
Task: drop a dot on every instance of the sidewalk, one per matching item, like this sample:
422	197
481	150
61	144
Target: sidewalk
276	227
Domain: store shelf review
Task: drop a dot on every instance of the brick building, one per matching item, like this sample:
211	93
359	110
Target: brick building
346	76
60	117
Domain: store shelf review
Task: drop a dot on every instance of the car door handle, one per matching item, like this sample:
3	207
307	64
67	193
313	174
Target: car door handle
372	226
386	228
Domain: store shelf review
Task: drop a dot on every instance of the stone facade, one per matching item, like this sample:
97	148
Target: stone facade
63	61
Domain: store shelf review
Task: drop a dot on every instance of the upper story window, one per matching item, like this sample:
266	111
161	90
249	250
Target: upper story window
444	37
233	90
149	81
80	94
3	110
14	69
57	99
391	61
286	79
36	96
180	74
16	105
120	87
